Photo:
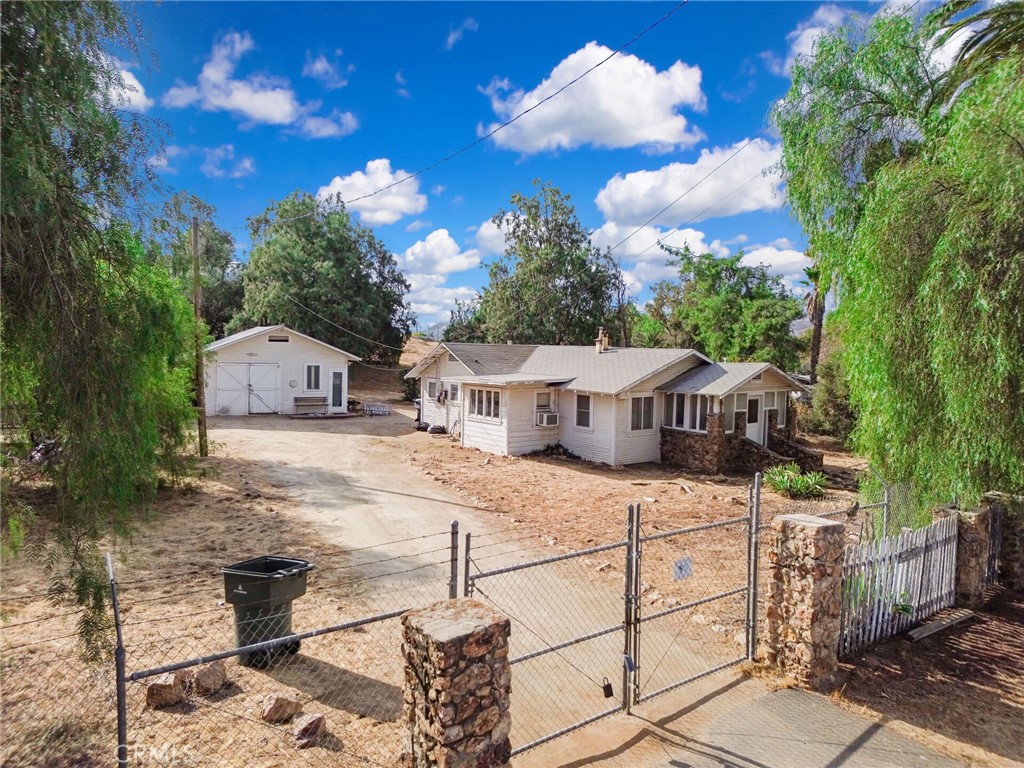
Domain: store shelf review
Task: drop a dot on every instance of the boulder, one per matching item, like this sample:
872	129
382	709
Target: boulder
308	729
167	690
280	709
208	678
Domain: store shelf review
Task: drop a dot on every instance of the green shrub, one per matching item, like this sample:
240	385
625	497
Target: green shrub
788	480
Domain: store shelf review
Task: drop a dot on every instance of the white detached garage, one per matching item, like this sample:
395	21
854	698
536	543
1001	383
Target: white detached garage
274	369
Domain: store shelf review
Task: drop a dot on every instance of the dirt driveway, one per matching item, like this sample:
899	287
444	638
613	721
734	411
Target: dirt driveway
347	477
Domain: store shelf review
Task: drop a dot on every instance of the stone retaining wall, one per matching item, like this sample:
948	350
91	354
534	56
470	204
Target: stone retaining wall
457	686
1011	553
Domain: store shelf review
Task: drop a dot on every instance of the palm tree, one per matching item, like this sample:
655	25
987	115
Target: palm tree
814	303
993	33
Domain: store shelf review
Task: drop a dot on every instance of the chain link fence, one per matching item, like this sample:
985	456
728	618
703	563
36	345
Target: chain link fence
192	698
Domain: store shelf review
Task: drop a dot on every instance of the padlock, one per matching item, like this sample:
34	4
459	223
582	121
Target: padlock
607	688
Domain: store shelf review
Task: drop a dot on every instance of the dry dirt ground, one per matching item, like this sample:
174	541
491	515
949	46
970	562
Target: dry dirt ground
255	497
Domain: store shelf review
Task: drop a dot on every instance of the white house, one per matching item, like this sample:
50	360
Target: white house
607	404
274	369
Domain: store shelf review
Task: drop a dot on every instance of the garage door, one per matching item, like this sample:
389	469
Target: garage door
247	388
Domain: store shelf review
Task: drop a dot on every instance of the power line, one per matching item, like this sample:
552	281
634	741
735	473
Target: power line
495	130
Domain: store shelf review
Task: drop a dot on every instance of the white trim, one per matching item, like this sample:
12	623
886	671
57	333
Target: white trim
641	428
343	408
319	377
252	333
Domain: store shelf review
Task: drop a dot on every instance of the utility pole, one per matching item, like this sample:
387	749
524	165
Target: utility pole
197	301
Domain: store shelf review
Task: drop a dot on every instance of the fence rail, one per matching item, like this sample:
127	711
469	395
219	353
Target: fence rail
894	582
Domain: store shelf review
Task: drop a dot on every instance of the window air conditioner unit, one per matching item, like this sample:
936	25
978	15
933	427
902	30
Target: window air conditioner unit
547	419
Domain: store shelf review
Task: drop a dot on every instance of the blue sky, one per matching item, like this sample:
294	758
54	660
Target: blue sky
262	99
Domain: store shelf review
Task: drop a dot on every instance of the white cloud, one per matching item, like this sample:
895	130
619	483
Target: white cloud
417	225
788	263
736	188
260	98
326	71
438	254
215	157
455	33
806	35
437	189
164	161
624	103
432	300
385	207
644	261
337	124
131	95
490	240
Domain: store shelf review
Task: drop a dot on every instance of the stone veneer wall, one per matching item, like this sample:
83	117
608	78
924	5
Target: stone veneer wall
973	545
803	600
457	686
696	451
1011	553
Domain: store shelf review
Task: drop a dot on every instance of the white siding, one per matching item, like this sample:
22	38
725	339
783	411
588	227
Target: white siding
523	434
595	443
487	434
292	357
770	380
431	411
635	447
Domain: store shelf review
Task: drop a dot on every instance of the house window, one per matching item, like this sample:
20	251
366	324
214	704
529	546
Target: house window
729	407
783	401
453	391
689	412
641	413
769	399
741	403
758	377
432	389
485	403
278	339
312	378
543	401
583	411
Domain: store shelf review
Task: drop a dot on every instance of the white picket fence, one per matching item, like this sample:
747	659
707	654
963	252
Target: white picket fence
893	583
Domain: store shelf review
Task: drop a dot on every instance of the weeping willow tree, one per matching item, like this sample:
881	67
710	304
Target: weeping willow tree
94	340
915	203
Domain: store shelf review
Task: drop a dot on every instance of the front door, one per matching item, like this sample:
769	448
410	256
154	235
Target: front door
755	429
339	392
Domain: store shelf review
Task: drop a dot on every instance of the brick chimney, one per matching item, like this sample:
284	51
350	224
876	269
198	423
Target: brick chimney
599	341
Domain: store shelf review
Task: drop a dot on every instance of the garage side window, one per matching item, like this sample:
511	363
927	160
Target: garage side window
431	389
312	377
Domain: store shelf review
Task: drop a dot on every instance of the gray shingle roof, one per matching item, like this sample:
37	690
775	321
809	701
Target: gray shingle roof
492	358
719	379
581	368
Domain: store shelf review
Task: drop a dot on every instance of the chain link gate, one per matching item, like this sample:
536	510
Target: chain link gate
574	631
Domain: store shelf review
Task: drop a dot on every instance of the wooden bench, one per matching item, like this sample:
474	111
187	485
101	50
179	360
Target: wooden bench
311	404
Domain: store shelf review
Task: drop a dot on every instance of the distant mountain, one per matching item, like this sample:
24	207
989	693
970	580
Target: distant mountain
799	326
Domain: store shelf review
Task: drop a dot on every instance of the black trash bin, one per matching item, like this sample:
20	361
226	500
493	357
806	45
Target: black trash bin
262	591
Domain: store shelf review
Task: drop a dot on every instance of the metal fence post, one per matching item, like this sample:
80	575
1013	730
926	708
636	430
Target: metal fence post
637	570
467	588
754	507
627	650
119	666
453	581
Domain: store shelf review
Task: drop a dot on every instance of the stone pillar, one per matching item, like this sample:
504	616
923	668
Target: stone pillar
717	448
1011	553
973	545
803	600
457	685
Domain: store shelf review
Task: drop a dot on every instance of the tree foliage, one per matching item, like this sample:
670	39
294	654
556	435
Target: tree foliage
730	311
220	273
930	267
551	286
327	277
92	337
